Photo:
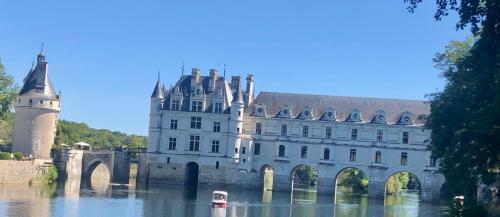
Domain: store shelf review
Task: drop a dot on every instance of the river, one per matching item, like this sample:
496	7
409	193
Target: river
73	198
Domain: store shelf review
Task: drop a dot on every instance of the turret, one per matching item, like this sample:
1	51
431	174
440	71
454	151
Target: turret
36	109
249	91
157	98
236	123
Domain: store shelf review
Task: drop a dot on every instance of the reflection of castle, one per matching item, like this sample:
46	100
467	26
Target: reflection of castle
205	127
36	110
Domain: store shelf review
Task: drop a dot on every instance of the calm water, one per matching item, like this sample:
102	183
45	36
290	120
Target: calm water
100	199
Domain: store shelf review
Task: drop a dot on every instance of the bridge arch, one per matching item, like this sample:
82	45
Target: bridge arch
91	166
391	185
358	172
191	173
266	177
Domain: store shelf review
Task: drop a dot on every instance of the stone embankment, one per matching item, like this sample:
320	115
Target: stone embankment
23	172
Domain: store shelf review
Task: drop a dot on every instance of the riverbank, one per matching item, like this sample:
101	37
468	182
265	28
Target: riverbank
24	172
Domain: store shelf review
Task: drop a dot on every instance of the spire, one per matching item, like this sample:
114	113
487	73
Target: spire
37	83
182	71
157	92
239	96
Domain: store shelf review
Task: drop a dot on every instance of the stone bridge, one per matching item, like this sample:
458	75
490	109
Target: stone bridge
82	163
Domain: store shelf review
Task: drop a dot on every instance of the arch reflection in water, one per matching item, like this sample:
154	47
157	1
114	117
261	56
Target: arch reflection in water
100	179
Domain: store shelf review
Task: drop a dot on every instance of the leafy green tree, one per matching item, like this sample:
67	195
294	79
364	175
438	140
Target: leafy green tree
354	179
8	92
397	183
306	175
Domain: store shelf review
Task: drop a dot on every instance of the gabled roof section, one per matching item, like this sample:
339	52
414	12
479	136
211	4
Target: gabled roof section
37	83
343	105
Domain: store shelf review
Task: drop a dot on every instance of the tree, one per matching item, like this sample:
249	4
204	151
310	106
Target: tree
354	179
306	175
8	92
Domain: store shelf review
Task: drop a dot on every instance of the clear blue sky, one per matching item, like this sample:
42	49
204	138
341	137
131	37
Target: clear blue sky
104	55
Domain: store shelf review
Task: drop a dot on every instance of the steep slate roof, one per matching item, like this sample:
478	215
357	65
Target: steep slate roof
157	92
37	83
343	106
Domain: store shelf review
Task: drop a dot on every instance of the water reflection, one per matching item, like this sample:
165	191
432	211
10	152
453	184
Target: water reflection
73	198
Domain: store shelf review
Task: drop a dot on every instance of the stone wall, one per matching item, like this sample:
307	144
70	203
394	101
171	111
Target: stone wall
23	172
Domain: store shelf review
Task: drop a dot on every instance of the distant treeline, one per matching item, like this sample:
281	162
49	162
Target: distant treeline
71	132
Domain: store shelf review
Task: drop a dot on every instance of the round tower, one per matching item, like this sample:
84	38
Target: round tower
36	110
157	98
236	123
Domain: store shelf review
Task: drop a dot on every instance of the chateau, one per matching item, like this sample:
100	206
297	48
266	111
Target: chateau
204	130
36	109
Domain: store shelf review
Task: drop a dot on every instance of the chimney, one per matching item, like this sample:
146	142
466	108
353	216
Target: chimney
196	74
249	90
213	79
235	82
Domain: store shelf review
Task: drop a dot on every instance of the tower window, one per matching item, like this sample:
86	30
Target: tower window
243	150
41	101
352	156
51	103
303	152
326	154
239	113
216	127
378	157
215	146
194	143
281	151
195	122
305	131
258	128
432	162
404	158
406	137
380	135
328	134
217	165
256	149
354	134
284	130
31	101
173	124
172	144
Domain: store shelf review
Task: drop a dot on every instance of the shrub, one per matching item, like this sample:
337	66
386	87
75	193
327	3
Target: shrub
51	174
18	155
4	156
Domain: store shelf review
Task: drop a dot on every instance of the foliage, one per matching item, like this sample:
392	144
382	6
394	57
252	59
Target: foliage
18	155
354	179
397	183
8	92
4	156
6	128
305	175
477	13
51	174
70	132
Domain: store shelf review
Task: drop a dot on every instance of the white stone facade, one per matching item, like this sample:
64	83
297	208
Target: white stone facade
233	145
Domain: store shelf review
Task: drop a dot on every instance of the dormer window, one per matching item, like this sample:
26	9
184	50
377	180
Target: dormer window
260	110
329	115
218	107
196	106
355	116
379	117
284	112
405	119
306	113
176	105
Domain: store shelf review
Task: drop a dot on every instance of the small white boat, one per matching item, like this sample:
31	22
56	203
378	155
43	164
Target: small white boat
219	199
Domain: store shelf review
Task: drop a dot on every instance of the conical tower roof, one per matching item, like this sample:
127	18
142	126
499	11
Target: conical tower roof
37	83
239	96
157	92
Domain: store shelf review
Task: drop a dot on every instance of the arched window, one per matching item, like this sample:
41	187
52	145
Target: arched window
281	151
378	157
326	154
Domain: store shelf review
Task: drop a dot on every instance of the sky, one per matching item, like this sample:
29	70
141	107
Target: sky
104	56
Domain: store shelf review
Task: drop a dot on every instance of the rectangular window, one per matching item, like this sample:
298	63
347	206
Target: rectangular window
256	149
354	134
352	156
303	152
380	136
172	144
328	133
196	106
237	130
194	143
239	113
406	137
215	146
216	127
284	130
216	164
168	160
432	162
236	150
305	131
404	158
258	128
173	124
176	104
243	150
195	122
218	107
